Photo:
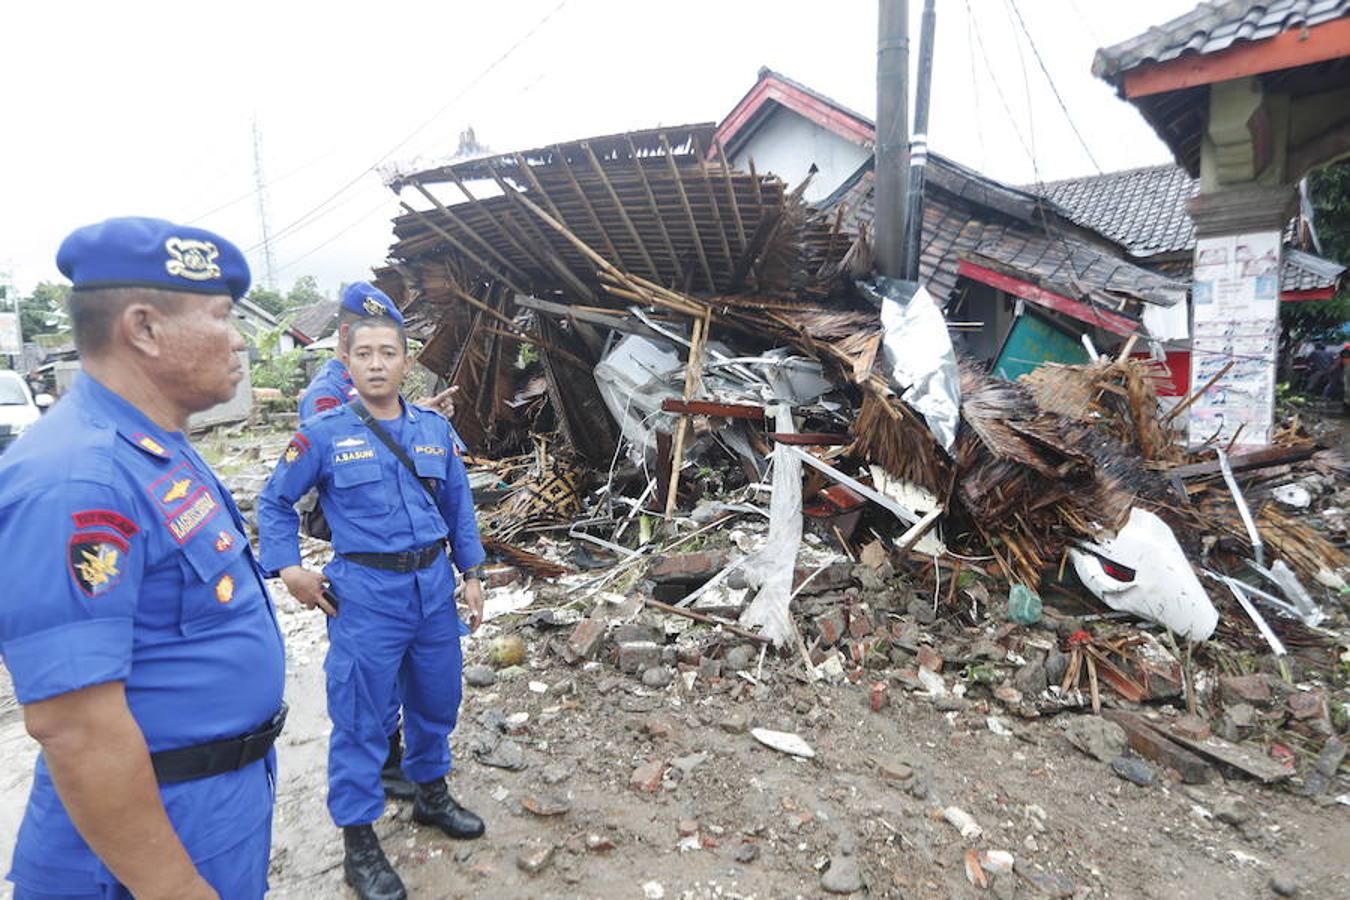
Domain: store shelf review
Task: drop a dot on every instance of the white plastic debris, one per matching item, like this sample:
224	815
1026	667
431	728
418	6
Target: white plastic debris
1151	577
997	727
1295	495
962	821
932	682
772	568
783	742
999	862
652	890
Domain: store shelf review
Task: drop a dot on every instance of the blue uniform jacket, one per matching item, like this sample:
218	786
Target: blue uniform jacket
331	387
126	560
371	501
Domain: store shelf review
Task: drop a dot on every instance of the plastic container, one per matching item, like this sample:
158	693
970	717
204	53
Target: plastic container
1024	607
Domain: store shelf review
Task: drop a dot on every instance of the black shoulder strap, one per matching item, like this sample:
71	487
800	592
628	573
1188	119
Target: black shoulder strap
364	415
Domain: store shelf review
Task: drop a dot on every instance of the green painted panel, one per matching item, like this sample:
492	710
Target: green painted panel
1033	341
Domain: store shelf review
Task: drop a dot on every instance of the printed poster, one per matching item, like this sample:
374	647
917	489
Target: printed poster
1236	307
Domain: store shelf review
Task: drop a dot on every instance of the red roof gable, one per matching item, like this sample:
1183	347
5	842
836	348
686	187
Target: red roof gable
773	88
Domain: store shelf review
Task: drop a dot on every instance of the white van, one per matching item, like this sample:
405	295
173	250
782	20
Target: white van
18	407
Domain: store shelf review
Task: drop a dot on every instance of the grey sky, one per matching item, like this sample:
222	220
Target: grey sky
145	108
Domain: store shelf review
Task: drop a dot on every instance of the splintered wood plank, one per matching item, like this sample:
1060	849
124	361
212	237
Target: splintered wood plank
1240	757
1151	743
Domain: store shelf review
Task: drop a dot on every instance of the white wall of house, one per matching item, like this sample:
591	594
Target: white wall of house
787	144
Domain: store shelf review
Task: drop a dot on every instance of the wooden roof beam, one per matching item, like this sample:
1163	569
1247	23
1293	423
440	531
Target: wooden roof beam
472	233
590	210
454	242
688	212
656	212
623	213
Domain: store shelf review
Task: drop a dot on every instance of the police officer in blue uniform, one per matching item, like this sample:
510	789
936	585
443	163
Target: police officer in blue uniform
332	387
389	591
134	619
332	384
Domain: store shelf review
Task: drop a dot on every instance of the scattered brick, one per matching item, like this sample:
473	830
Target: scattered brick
647	777
929	658
1193	727
1244	688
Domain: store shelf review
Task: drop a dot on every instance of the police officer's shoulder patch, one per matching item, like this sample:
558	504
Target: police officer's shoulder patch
296	448
149	445
96	560
325	403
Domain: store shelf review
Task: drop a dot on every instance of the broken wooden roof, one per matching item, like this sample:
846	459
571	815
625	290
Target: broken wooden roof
651	203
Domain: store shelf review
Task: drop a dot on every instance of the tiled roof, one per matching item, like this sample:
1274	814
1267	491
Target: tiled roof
960	224
315	321
1143	210
1305	272
1212	27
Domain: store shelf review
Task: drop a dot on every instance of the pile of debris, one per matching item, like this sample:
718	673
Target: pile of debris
690	413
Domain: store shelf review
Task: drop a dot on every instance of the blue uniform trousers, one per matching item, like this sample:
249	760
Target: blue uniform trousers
394	634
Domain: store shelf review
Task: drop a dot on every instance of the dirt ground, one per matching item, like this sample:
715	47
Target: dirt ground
731	818
1033	795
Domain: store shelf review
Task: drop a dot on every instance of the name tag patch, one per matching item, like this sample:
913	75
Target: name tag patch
429	449
193	516
354	455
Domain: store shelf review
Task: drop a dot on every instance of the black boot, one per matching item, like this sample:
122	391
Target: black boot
366	868
433	805
396	785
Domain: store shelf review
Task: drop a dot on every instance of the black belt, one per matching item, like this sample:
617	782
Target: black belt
217	757
407	561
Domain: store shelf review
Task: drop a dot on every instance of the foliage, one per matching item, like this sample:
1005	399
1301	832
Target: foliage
1329	190
304	292
283	370
268	299
44	310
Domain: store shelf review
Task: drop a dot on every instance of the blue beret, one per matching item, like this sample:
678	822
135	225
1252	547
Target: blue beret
366	299
140	252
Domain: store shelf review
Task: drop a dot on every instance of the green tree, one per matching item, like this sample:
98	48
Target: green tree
304	292
44	310
1329	190
268	299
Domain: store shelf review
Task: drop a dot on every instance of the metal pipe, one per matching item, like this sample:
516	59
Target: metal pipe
918	144
1258	548
892	149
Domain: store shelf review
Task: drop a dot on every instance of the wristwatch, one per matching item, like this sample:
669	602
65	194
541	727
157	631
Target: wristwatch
472	574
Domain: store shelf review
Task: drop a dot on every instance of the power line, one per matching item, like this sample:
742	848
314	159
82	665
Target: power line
359	220
248	195
975	89
312	214
998	88
1053	89
1026	94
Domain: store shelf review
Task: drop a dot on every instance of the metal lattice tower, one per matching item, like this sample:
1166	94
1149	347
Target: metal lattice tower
261	191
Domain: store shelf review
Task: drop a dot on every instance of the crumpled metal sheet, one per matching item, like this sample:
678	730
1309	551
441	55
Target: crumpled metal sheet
920	361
